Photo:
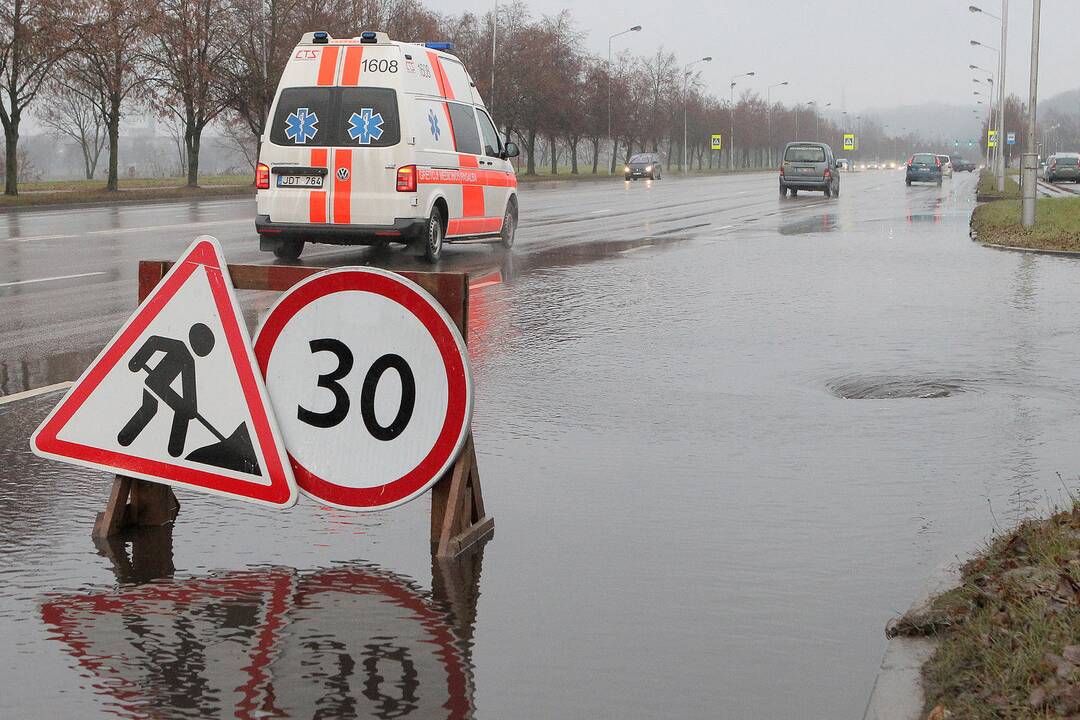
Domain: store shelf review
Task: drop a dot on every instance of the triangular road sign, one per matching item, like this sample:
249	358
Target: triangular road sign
175	397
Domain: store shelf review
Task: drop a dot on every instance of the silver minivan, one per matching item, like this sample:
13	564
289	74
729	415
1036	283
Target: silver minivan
809	166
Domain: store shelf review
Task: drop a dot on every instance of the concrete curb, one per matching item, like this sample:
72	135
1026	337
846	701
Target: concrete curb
898	693
1014	248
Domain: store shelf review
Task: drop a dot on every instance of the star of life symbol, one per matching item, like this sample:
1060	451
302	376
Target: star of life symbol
301	126
365	126
433	121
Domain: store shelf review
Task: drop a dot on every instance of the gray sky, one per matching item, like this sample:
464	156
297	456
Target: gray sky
869	53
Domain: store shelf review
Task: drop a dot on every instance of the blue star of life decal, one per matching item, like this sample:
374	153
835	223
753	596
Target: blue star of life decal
365	126
301	126
433	121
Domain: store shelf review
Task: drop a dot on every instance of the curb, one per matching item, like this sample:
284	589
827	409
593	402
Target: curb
974	234
898	693
225	195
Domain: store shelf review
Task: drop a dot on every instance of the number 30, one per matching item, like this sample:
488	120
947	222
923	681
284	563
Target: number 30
342	402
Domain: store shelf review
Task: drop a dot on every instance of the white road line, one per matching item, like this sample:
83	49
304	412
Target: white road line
38	237
50	279
597	212
35	392
635	249
117	231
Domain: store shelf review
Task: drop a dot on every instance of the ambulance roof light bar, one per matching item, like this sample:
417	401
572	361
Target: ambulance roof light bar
321	37
444	46
369	36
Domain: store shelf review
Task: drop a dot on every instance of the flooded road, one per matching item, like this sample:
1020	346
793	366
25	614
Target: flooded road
725	438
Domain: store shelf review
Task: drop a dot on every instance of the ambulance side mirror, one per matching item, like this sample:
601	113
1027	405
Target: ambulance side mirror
511	150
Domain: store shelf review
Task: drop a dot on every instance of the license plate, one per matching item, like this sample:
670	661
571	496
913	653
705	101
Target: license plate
806	171
300	181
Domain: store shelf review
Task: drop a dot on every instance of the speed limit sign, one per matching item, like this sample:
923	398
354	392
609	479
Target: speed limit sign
369	379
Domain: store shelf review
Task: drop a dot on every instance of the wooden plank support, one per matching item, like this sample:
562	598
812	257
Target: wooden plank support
458	520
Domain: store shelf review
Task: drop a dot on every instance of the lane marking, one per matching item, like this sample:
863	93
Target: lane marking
50	279
639	247
38	237
597	212
35	392
118	231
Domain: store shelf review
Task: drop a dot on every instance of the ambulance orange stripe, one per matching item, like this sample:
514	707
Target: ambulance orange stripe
468	161
472	226
440	76
327	65
342	188
317	198
472	201
350	74
449	176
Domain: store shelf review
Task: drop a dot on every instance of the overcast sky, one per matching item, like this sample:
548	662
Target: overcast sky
859	53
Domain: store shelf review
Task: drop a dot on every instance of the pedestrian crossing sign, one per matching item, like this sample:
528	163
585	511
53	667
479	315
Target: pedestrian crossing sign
717	142
991	138
176	396
849	141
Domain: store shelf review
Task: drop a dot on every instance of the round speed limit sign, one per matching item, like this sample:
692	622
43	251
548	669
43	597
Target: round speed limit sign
369	379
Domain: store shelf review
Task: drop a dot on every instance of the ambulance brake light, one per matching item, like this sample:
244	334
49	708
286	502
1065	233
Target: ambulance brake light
262	177
321	37
446	46
406	179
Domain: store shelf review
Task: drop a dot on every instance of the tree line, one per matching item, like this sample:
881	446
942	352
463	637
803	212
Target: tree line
79	65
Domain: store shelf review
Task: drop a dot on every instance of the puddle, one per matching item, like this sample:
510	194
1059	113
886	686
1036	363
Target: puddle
892	388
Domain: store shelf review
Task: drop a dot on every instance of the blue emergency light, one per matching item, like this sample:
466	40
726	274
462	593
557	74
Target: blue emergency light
445	46
321	37
368	37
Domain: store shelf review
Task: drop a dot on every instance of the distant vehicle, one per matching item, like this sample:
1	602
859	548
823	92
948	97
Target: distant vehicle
891	165
809	166
1063	166
646	165
843	164
959	164
871	166
946	165
923	167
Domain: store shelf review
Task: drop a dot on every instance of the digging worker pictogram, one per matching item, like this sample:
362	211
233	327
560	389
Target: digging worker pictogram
177	362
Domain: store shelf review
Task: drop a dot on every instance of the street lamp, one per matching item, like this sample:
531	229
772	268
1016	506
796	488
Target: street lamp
615	144
686	87
1003	20
731	138
768	114
817	117
1029	158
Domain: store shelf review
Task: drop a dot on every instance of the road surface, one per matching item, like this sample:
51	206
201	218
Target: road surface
725	438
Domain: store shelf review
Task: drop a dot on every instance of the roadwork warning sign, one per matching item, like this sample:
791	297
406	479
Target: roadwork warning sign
175	397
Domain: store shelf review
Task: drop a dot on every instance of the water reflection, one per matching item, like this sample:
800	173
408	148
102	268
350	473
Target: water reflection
351	641
922	216
819	224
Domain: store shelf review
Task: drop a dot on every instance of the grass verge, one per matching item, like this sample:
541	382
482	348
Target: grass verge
987	188
1057	224
68	192
1009	635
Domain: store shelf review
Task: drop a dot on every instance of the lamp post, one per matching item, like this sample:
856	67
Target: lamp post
614	143
1004	22
768	114
731	137
817	118
989	108
1029	160
685	102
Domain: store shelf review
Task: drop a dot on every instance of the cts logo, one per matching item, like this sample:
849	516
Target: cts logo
306	54
342	173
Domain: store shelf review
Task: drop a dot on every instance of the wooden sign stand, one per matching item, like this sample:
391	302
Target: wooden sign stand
458	520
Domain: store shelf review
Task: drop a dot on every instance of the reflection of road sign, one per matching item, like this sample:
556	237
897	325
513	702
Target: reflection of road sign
849	141
370	379
1010	138
350	641
158	401
717	141
991	138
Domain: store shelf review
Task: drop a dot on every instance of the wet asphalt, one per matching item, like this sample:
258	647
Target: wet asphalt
725	437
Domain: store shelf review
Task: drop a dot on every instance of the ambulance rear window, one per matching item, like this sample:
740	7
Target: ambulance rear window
343	117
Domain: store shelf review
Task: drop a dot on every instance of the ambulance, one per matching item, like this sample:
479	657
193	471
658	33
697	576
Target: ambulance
371	141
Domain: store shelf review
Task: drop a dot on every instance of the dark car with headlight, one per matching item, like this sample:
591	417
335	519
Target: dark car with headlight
643	165
923	167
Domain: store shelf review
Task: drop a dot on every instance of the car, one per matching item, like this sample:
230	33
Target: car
371	140
809	166
946	165
643	165
923	167
872	165
843	164
960	164
1063	166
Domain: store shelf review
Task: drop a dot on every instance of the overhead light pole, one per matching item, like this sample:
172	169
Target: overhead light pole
1029	160
614	143
686	87
768	114
817	117
1003	20
731	138
989	108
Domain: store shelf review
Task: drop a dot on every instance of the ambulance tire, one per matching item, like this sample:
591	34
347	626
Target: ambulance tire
433	235
509	226
288	249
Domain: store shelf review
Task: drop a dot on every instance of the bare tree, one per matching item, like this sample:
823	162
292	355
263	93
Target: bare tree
73	112
33	38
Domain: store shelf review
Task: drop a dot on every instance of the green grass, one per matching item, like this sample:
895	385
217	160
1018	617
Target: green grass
131	184
987	187
64	192
1009	635
1057	224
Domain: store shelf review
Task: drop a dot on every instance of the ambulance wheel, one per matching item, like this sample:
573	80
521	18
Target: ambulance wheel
288	249
509	226
433	236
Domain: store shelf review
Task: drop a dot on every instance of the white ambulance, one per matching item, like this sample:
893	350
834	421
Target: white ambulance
371	140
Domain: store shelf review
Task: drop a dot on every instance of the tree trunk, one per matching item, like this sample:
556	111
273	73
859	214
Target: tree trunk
595	154
554	157
112	183
193	139
530	152
11	147
614	153
573	154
